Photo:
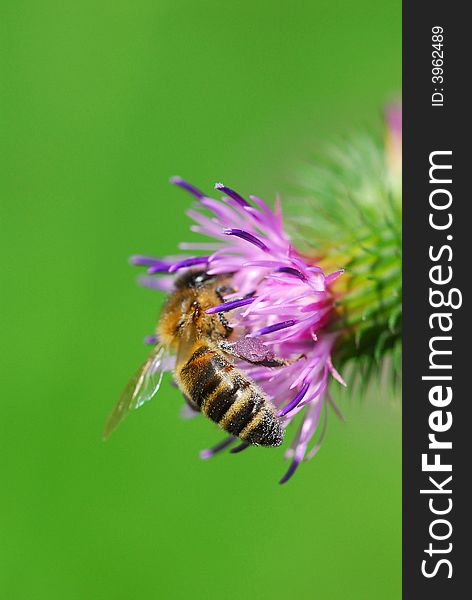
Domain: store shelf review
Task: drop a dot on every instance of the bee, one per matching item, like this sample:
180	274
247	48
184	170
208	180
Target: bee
205	371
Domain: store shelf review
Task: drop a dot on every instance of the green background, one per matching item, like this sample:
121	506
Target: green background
101	102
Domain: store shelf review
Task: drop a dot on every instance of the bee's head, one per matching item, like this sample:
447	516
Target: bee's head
185	310
193	280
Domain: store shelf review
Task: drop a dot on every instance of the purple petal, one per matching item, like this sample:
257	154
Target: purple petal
232	194
317	446
240	448
262	263
187	187
151	339
291	271
295	402
291	470
159	267
276	327
188	262
225	213
334	372
165	284
262	205
209	452
335	407
256	214
230	305
206	225
144	261
245	235
332	276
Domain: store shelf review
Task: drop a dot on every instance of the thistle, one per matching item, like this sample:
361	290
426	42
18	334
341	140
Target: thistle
351	204
329	297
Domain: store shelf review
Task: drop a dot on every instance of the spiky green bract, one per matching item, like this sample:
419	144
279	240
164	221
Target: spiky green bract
348	215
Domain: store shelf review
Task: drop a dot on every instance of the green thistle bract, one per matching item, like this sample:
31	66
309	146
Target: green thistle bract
348	213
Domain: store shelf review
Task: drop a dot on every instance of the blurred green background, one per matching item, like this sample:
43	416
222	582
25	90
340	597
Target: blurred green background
101	102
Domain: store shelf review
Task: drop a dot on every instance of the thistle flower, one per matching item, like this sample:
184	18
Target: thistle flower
298	302
283	300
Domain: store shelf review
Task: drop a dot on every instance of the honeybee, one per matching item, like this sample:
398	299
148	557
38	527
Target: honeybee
204	366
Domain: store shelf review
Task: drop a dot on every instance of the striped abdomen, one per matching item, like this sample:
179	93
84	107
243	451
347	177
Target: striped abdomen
226	396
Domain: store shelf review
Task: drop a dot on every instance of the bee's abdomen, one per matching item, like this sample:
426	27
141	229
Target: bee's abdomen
226	396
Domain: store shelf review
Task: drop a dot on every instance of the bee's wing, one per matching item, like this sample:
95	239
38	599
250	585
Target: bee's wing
142	387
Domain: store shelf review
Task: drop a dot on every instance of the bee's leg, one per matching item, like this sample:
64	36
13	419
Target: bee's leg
253	351
226	325
221	291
